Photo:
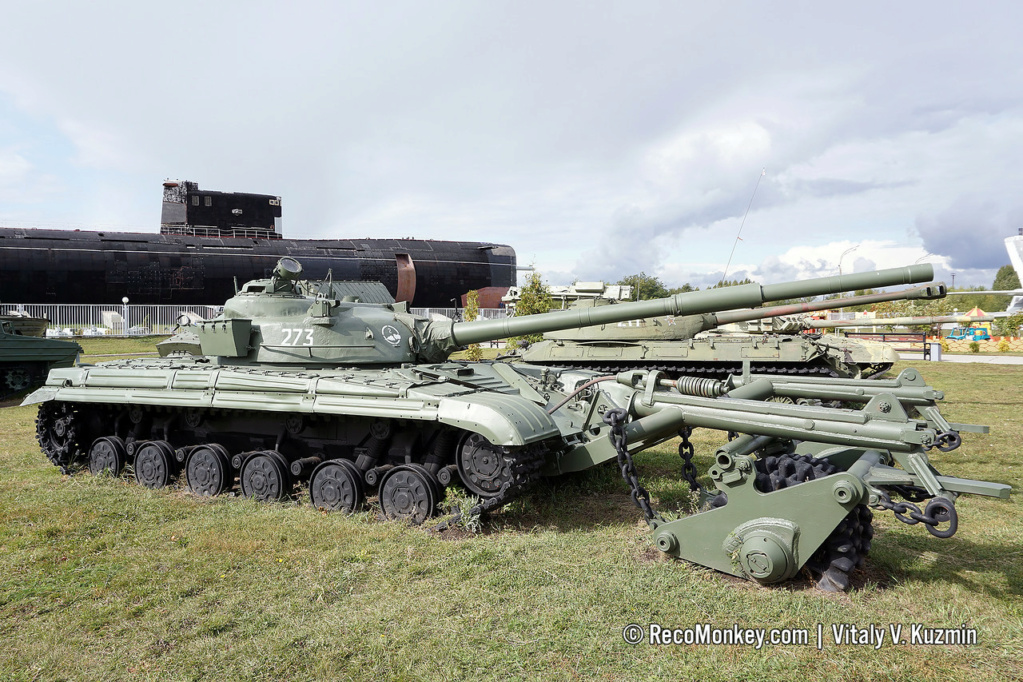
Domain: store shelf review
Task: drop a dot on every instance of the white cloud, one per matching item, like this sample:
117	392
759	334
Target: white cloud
597	143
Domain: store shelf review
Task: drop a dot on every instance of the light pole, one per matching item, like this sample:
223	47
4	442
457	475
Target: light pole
844	254
124	315
953	280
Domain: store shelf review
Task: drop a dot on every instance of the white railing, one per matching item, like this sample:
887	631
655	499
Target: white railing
79	319
456	313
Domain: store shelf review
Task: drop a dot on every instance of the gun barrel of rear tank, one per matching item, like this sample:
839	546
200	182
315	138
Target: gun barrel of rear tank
891	321
928	291
693	303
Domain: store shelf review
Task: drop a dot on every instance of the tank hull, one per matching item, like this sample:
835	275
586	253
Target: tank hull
25	361
718	356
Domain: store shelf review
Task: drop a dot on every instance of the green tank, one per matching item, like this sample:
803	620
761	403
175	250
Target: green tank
25	360
339	400
702	345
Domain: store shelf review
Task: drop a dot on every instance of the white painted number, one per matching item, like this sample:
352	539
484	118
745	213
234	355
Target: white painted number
298	337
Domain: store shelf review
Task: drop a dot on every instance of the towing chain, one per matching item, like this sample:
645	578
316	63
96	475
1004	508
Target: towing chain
948	441
615	418
938	510
685	451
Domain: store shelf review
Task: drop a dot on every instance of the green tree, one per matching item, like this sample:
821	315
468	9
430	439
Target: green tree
534	297
645	287
472	310
732	283
1009	326
1007	278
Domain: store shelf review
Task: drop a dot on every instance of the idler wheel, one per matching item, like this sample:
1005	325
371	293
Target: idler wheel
409	493
107	454
265	476
209	471
482	466
155	464
336	485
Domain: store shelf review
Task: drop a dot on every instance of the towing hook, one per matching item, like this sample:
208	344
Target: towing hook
942	511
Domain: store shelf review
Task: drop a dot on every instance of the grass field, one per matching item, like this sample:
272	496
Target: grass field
103	579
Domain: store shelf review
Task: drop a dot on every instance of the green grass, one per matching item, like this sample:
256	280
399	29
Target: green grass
103	579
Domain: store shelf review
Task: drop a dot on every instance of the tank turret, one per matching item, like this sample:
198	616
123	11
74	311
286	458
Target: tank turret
273	322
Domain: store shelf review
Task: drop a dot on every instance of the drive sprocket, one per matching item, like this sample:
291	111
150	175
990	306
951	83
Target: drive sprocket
58	431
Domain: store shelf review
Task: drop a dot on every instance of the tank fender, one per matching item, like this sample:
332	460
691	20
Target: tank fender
502	419
40	395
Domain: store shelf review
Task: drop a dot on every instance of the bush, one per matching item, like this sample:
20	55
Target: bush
1003	345
974	347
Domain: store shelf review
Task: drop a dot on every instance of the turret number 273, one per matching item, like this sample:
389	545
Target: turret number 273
297	337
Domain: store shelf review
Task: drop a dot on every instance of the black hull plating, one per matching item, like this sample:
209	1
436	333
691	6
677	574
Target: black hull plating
65	266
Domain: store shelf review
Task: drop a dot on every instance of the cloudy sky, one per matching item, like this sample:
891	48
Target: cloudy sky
597	138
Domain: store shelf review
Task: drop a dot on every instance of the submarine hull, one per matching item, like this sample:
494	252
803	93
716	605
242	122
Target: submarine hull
72	266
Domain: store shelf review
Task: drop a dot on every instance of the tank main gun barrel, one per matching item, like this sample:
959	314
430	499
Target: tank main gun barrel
891	321
692	303
925	292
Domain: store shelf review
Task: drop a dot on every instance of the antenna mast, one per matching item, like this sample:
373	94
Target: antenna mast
763	172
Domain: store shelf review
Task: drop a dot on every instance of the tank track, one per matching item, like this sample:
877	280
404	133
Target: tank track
722	371
525	465
67	432
58	430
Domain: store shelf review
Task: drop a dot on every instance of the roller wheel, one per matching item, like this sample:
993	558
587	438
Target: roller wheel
107	454
847	546
155	464
336	485
57	430
408	492
482	466
208	469
265	476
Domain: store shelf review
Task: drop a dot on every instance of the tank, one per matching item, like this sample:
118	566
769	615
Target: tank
338	400
25	360
696	345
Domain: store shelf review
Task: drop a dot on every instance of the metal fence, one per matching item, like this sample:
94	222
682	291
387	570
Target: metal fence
141	320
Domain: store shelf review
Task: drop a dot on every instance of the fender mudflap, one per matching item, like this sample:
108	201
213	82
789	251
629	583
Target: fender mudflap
502	419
